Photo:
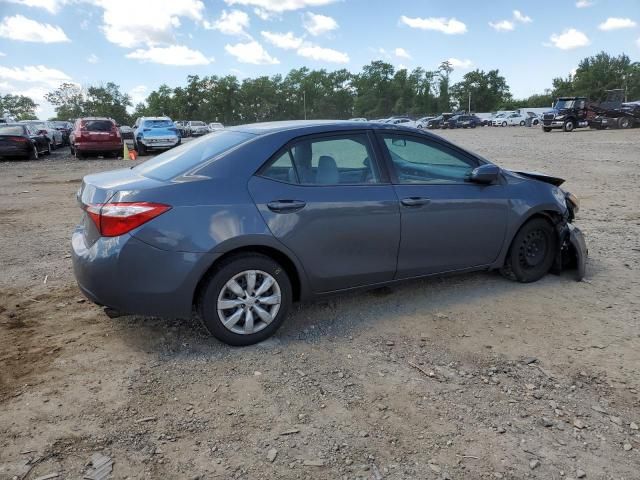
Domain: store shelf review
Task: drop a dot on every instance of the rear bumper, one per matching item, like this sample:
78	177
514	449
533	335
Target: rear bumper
151	143
97	147
132	277
16	150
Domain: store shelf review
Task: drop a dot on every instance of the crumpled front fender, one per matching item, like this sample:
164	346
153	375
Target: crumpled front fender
573	251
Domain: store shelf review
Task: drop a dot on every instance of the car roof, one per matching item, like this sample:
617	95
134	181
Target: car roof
307	127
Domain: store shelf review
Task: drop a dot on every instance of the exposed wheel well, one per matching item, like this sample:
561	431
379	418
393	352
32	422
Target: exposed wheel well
270	252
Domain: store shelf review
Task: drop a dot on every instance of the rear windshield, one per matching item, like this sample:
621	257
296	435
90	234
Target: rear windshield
180	160
11	130
98	125
157	123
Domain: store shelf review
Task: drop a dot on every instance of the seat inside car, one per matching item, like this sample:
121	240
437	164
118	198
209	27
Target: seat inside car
327	171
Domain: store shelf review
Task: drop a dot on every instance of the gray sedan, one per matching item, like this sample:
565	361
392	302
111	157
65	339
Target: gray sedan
242	222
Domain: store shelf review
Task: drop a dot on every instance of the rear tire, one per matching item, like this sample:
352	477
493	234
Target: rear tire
141	149
532	252
33	155
504	124
624	122
216	289
546	129
522	123
80	155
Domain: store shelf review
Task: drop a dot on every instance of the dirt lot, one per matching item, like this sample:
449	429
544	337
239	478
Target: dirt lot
464	377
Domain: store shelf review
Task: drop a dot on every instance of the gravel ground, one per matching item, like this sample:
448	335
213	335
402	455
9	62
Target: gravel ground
467	376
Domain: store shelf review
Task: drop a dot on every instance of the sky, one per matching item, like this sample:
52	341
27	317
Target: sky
141	44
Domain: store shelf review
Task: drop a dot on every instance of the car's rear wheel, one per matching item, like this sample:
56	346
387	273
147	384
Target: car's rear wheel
504	124
522	123
245	299
532	252
141	148
569	126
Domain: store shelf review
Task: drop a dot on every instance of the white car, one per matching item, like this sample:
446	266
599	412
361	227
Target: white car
405	122
510	119
358	119
51	132
422	122
213	126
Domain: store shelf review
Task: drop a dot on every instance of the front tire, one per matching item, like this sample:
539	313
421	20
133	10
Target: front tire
624	122
504	124
245	299
546	129
532	252
522	123
569	126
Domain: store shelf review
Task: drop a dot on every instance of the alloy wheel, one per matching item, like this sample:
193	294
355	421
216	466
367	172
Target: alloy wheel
249	302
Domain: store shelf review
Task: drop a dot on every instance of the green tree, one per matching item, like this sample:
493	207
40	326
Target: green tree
487	91
69	101
107	101
18	107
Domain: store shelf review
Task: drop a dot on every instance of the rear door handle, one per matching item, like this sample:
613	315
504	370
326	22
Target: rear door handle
286	206
414	201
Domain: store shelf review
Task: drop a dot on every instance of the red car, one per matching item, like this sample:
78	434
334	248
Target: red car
96	136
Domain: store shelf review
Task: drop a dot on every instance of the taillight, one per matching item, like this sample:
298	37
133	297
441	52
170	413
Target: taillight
18	139
114	219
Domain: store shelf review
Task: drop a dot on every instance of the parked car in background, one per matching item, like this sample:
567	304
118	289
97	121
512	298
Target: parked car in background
499	119
454	122
215	126
197	128
514	119
183	130
404	121
63	127
47	129
126	132
96	136
358	119
155	133
422	122
435	123
470	121
240	238
18	140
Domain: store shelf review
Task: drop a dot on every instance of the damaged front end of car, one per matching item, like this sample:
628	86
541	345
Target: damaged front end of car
572	252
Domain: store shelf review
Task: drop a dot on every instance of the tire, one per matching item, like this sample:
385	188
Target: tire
140	148
48	150
504	124
546	129
624	122
522	123
532	252
33	155
80	155
216	289
569	125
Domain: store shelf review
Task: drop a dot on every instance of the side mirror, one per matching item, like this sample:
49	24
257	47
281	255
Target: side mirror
485	174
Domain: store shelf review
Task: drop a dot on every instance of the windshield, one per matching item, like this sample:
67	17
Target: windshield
180	160
157	123
11	130
561	104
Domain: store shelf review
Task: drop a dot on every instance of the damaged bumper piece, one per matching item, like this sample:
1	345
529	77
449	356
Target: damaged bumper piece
573	251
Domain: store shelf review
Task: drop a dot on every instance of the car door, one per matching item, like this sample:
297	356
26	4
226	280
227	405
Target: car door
448	223
328	201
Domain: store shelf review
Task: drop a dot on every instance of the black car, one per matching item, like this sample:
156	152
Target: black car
469	121
435	123
126	132
18	141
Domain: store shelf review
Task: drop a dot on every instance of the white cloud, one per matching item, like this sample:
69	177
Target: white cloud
569	39
583	3
319	24
520	17
231	23
279	6
2	54
176	55
323	54
401	53
138	94
251	52
465	64
450	26
613	23
52	6
93	58
502	26
34	74
287	41
27	30
145	22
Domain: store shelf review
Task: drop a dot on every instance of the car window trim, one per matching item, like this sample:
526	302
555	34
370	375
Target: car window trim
428	139
382	170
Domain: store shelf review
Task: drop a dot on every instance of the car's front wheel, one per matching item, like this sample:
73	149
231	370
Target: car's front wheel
245	299
532	252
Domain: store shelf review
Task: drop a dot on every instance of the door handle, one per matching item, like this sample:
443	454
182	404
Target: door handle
415	201
286	206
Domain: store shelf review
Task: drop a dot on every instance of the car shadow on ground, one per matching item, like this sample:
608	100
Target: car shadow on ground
344	315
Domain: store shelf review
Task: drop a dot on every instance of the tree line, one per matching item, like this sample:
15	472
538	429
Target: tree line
379	90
